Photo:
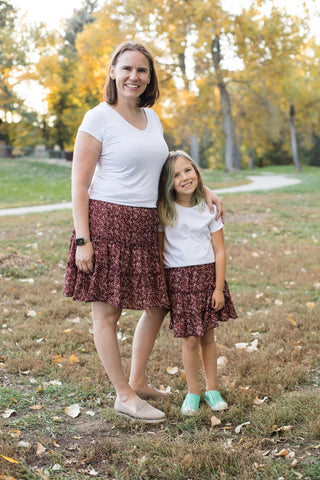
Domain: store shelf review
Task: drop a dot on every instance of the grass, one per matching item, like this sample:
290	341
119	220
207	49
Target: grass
48	360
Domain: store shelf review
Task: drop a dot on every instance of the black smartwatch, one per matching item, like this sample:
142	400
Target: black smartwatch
82	241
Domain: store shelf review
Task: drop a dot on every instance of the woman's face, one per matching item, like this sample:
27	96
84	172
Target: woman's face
132	74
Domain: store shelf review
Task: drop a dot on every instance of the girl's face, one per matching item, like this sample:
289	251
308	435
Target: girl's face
132	74
185	180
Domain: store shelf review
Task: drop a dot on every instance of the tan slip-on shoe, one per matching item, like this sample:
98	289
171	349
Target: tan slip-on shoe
141	411
154	395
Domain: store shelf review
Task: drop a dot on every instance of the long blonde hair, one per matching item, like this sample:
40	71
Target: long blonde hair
167	194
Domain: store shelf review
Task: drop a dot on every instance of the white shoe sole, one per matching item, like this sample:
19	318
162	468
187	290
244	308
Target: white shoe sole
143	420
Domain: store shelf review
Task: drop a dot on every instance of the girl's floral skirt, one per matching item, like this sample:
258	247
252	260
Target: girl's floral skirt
190	292
127	271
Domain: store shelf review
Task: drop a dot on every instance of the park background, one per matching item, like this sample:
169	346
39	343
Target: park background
244	80
56	417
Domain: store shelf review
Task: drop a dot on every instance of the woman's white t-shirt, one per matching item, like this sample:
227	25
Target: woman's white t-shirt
188	241
130	163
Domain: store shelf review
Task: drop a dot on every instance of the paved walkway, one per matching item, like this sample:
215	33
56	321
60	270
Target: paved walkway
265	181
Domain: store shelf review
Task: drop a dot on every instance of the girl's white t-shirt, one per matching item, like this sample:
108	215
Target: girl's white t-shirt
188	241
130	163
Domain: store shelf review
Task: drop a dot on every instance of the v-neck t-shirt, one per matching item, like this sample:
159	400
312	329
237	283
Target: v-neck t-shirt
130	163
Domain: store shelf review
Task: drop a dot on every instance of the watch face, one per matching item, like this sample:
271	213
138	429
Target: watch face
80	241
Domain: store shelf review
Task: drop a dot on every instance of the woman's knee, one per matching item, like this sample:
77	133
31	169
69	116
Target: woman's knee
192	343
105	313
156	313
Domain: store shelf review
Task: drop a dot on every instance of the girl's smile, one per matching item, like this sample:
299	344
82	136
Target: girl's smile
185	180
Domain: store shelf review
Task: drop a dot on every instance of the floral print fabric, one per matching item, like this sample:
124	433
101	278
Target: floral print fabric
127	271
190	292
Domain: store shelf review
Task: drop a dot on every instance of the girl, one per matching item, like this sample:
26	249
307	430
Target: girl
194	260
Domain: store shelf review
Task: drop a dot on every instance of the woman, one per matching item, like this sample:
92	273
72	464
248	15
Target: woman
114	257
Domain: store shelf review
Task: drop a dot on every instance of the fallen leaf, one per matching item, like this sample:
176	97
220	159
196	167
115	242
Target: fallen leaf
245	389
259	401
282	453
172	370
73	410
215	421
278	302
40	449
310	305
167	389
9	412
239	427
73	359
221	361
36	407
259	295
15	433
24	444
292	321
31	313
67	330
187	460
10	460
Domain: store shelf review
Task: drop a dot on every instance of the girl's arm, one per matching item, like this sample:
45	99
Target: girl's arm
212	198
217	240
86	153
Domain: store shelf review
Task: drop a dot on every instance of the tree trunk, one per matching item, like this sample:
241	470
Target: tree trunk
194	148
225	105
252	155
293	139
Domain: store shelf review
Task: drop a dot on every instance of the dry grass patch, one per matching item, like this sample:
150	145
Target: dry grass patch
48	361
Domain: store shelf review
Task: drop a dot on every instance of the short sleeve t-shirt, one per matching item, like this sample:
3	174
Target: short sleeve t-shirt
188	241
130	163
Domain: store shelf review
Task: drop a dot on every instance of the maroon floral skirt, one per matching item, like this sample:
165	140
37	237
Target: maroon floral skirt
127	271
190	292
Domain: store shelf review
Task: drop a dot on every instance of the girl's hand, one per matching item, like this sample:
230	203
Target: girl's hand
217	300
85	258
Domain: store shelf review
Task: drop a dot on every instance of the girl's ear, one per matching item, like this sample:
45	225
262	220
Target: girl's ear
112	74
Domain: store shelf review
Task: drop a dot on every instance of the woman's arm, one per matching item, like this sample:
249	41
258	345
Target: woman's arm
217	240
211	198
86	153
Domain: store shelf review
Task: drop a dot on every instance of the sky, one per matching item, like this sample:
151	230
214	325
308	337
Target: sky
53	12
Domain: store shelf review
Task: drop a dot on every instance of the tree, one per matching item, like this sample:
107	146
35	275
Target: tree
12	58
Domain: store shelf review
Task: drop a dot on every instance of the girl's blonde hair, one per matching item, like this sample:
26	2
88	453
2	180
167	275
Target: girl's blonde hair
167	194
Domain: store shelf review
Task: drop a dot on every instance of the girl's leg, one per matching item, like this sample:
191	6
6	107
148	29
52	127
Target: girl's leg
209	359
143	341
191	360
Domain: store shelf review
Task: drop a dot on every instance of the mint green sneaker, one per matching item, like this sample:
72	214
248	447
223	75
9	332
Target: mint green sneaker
190	404
215	401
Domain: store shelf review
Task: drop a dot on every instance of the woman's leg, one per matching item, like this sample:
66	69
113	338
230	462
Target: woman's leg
209	359
191	360
105	319
143	341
